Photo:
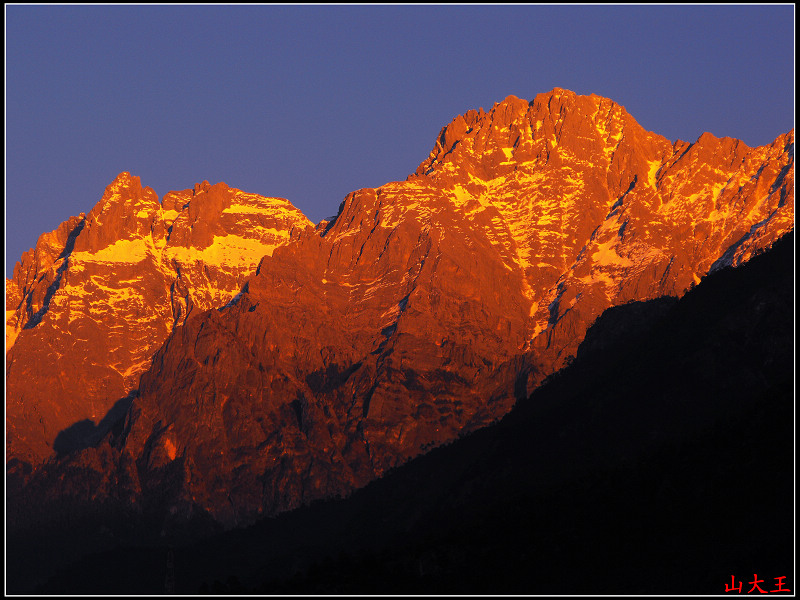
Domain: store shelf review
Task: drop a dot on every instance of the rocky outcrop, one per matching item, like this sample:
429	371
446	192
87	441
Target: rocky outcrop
88	306
427	307
603	212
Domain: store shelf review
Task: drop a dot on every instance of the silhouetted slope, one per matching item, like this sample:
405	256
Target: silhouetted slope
660	461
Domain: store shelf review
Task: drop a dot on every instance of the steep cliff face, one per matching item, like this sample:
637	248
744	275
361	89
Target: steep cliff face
88	306
427	307
602	212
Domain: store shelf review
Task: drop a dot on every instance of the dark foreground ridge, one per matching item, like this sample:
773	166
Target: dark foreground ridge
659	462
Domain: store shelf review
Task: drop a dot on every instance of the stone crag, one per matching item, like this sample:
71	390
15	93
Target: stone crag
88	307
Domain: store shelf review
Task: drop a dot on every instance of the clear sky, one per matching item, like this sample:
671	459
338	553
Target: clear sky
312	102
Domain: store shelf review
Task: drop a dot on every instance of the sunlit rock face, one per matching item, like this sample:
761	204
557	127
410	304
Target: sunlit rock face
90	304
601	211
424	310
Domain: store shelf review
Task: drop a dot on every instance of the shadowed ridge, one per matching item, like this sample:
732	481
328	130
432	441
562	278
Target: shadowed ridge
53	287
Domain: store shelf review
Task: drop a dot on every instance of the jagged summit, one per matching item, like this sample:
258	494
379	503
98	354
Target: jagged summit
201	187
87	308
515	132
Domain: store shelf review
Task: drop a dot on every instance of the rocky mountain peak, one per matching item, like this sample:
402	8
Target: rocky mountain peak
555	127
201	187
125	185
125	212
100	293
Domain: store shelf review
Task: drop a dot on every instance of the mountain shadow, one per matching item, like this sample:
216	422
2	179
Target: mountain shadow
85	433
53	287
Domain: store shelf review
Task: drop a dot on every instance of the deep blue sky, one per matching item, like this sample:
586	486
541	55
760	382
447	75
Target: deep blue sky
312	102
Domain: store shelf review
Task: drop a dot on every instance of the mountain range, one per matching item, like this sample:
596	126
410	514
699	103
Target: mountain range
659	461
204	361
